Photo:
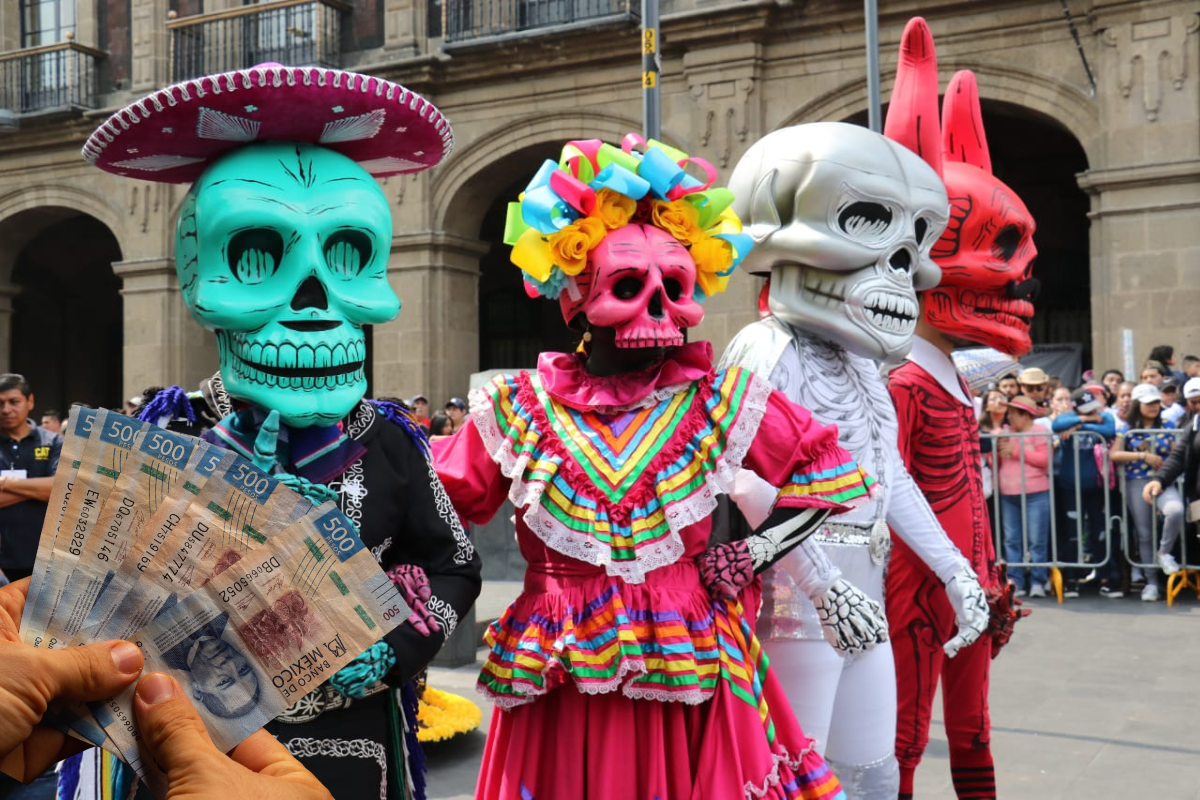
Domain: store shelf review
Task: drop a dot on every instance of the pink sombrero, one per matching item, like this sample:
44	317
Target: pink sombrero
173	134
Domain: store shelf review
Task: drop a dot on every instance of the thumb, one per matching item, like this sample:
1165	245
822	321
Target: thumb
266	442
172	729
93	672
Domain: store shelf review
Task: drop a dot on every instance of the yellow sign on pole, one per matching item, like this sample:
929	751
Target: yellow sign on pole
649	42
649	79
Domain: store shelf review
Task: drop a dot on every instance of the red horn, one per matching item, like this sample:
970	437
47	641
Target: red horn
963	139
912	117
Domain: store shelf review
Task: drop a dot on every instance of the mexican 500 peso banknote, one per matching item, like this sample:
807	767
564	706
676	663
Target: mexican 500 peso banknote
80	424
187	543
161	465
263	633
100	464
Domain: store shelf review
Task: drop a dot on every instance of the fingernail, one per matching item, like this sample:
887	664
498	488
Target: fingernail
155	688
126	656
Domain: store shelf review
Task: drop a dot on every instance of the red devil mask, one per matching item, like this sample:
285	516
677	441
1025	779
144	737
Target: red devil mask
987	251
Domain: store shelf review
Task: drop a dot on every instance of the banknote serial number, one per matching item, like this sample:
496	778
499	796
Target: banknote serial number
81	524
247	578
114	530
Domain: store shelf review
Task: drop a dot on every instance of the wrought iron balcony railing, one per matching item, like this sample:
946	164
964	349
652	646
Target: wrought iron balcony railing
53	76
291	32
472	20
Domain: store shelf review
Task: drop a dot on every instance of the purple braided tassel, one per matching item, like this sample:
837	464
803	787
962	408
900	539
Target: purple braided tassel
404	418
171	402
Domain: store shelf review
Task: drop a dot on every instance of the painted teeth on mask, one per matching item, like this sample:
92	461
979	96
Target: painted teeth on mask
287	355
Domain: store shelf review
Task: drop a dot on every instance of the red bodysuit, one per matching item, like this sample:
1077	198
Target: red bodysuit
939	442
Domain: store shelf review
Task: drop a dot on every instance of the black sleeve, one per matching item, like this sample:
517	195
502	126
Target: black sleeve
1173	467
430	536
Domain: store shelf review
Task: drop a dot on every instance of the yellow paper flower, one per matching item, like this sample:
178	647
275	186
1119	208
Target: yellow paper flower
532	254
678	218
571	245
712	256
442	715
613	208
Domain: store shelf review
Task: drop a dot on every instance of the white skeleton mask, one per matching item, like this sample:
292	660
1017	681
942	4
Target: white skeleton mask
843	219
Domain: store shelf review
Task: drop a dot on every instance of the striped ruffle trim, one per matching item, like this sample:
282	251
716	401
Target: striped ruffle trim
605	645
564	509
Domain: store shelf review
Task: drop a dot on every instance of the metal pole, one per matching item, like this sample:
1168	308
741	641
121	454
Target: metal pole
651	66
872	24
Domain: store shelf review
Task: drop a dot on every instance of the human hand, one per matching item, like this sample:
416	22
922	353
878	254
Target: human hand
850	621
1153	459
260	767
30	678
970	606
1006	447
726	569
414	587
1150	491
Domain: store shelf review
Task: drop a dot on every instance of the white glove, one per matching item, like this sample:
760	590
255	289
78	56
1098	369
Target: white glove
970	609
850	621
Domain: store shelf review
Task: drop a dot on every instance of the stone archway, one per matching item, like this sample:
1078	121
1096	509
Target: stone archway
1070	107
66	326
464	187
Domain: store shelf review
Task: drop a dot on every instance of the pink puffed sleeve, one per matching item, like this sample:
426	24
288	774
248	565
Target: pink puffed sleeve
802	458
472	479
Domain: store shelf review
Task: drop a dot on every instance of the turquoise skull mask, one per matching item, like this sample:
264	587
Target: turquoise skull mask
282	250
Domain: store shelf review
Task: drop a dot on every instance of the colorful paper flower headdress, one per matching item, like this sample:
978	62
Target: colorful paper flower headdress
570	205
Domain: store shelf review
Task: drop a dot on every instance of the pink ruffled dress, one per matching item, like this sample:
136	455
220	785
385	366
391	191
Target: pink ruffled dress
614	674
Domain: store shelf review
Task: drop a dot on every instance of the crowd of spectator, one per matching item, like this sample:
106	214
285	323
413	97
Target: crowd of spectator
1067	466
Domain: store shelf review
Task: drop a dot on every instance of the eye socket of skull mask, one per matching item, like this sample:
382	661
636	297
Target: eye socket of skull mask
282	249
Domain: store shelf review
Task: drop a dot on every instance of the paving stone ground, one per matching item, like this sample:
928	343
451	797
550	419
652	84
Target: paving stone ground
1093	698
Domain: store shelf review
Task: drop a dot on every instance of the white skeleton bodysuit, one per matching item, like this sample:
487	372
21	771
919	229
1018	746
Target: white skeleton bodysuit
848	704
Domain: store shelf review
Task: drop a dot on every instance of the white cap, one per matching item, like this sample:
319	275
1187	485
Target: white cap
1146	393
1191	388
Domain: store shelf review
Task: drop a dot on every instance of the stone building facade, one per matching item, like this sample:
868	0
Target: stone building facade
1111	171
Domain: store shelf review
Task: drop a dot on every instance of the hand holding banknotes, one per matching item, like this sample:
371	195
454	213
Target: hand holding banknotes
30	678
258	767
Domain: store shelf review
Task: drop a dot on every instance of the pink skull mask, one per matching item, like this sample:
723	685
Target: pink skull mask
640	282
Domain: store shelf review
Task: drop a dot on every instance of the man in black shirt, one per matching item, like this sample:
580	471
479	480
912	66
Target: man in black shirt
28	460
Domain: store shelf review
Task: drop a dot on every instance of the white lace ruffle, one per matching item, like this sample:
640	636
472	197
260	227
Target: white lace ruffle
583	547
752	790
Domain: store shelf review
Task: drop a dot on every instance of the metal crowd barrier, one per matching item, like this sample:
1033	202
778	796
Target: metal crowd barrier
1071	550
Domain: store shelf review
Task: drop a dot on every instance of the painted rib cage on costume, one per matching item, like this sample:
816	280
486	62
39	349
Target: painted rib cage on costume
616	673
985	297
282	247
843	221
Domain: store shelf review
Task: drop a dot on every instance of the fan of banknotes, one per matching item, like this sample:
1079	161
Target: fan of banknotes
242	589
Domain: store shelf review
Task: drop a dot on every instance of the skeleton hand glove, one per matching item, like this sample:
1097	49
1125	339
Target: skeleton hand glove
850	621
726	568
414	588
970	609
